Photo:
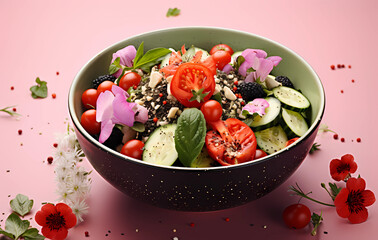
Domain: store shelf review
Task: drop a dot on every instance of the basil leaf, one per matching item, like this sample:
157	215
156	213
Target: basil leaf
115	66
188	55
190	135
172	12
14	225
139	54
239	60
32	234
21	204
217	97
151	56
39	90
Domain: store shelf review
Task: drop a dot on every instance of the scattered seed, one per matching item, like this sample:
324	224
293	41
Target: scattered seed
227	219
335	136
137	230
352	80
14	110
155	119
342	91
338	65
174	230
325	232
342	139
12	88
19	132
358	139
160	94
191	224
8	170
57	73
251	224
53	95
333	67
86	233
50	159
55	145
349	66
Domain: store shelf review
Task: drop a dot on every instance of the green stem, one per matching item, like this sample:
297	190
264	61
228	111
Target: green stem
323	186
302	194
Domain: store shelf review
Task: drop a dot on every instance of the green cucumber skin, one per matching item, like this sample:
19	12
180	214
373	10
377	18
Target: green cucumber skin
289	107
270	100
289	132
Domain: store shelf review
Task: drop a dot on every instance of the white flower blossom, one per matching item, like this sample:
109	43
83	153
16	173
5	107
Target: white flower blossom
79	208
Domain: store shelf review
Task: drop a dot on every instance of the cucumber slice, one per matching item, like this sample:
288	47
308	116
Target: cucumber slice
235	55
271	139
205	54
203	160
291	99
165	61
160	146
293	123
271	117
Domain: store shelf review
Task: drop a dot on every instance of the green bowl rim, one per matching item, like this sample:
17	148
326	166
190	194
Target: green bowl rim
91	139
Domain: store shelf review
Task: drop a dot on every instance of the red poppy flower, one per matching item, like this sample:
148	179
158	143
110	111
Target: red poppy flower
341	168
55	220
351	202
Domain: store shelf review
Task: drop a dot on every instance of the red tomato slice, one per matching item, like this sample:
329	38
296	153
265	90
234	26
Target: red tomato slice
193	84
231	142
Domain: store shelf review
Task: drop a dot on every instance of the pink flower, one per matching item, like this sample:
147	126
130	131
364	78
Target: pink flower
258	105
126	56
262	66
113	108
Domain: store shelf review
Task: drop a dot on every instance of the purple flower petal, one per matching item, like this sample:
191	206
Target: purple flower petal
258	52
126	56
106	130
141	113
122	111
250	77
264	68
258	105
118	90
104	106
227	68
275	59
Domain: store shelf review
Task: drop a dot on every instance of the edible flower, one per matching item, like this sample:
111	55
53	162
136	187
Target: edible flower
351	202
256	64
126	56
342	168
258	105
113	108
55	220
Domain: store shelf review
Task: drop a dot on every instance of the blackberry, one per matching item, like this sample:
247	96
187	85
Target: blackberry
114	139
251	90
101	79
285	81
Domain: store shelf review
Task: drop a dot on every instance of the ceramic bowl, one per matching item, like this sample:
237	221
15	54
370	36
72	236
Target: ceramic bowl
199	189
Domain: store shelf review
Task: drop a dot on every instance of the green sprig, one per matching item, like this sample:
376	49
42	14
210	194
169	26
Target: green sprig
6	110
298	191
316	220
314	148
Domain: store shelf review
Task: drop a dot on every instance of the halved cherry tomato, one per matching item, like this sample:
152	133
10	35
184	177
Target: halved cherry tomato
89	123
89	98
231	142
133	148
260	154
105	85
221	59
212	111
221	47
129	80
290	141
193	84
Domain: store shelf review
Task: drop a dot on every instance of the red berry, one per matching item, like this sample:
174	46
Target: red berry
191	224
333	67
12	88
19	132
164	102
236	83
242	103
358	139
352	80
342	139
335	136
57	73
235	88
86	233
160	94
135	87
50	159
55	145
338	65
227	219
155	119
14	109
342	66
349	66
342	91
53	95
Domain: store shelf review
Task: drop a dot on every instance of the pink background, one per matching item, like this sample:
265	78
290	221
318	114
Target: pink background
40	38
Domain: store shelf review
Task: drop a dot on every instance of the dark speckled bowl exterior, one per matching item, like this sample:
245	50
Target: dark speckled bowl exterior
206	189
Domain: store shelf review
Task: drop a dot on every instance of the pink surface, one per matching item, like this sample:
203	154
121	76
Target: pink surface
41	38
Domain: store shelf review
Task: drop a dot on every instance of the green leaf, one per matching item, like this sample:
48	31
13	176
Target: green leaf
139	127
314	148
151	57
32	234
190	135
6	233
173	12
316	220
188	55
39	90
198	95
334	190
217	97
115	66
239	60
139	54
14	225
21	204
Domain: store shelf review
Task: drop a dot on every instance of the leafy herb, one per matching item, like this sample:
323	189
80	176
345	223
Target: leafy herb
190	135
316	220
173	12
198	95
324	128
314	148
32	234
39	90
217	97
6	110
239	60
144	62
334	190
21	204
298	191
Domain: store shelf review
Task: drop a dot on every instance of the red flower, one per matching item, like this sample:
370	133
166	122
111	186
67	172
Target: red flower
351	202
340	169
55	220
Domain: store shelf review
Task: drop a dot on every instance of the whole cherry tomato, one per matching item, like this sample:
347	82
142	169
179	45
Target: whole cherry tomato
89	123
133	148
221	59
297	216
230	142
221	47
89	98
105	85
193	84
212	110
129	80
